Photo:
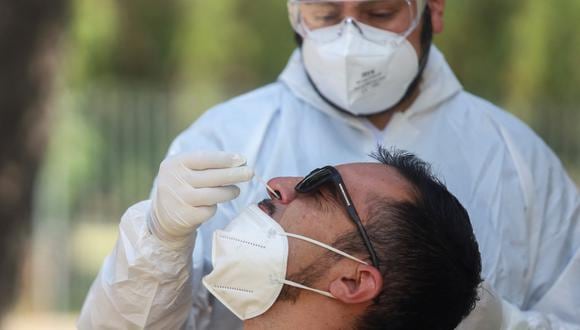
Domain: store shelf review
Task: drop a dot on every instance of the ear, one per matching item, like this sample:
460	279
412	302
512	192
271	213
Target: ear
364	285
437	8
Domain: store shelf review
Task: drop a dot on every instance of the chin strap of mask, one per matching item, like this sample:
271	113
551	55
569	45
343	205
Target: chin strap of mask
426	40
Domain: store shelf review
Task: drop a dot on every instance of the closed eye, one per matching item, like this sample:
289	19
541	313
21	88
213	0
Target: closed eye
326	199
381	15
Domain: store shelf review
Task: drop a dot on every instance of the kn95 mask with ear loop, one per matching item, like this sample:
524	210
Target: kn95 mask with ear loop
249	260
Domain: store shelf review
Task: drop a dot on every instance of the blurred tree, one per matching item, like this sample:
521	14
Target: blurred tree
122	42
523	57
476	44
29	35
120	71
229	47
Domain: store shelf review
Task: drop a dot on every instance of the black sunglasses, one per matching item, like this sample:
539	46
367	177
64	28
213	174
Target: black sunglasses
320	176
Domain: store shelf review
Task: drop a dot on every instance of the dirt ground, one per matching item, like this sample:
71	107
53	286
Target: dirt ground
20	321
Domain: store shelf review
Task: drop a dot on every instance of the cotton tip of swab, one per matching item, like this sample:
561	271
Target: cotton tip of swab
272	191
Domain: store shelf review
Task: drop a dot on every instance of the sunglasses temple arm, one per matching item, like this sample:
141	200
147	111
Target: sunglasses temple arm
356	219
365	236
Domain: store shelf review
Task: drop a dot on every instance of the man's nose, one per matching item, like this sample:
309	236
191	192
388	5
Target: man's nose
284	186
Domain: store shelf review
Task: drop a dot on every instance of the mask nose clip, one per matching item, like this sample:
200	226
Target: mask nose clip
350	21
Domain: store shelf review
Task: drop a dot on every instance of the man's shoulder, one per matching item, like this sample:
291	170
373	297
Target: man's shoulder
485	114
488	120
258	102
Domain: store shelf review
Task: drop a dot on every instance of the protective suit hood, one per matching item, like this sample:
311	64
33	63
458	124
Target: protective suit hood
438	85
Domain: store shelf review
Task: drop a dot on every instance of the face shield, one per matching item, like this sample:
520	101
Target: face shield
325	20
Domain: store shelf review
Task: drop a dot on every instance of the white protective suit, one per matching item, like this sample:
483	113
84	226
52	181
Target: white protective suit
524	209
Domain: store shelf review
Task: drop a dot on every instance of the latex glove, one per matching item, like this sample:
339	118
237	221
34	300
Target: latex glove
189	186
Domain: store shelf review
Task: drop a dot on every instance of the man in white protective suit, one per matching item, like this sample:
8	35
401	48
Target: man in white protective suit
365	73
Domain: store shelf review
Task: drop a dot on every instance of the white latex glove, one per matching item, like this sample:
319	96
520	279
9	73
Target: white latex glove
189	186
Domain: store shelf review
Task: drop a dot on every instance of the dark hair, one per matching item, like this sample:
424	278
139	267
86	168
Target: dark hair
428	253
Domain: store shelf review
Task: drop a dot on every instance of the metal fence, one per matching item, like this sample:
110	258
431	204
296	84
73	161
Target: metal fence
105	149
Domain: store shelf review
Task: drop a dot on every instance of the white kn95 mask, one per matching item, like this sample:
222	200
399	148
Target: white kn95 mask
249	263
360	76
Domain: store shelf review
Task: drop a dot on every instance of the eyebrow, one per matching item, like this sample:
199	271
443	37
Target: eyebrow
321	5
378	5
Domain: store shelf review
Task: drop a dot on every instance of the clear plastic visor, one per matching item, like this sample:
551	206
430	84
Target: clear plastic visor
324	20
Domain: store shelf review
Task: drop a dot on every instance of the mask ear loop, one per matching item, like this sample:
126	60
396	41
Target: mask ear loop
325	246
300	286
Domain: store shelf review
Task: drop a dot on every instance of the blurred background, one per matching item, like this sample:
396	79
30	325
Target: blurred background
127	76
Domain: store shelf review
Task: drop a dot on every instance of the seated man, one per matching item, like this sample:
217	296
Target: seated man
359	246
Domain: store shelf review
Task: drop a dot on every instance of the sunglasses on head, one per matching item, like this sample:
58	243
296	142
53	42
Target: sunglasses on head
328	174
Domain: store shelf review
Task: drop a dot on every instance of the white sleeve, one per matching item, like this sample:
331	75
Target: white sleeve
143	283
553	297
553	214
558	205
494	313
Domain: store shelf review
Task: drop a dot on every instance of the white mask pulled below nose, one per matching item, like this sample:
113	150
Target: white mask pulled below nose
249	258
361	76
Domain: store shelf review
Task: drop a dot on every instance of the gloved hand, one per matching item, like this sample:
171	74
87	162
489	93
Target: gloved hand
189	186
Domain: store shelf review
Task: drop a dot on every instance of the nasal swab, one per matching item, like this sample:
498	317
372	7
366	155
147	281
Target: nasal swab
259	178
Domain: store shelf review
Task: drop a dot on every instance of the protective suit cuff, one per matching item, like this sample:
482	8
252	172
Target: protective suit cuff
144	249
179	243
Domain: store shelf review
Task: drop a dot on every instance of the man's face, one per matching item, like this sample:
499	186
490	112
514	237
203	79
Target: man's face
322	215
390	15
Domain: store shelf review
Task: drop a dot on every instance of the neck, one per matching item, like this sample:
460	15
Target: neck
381	120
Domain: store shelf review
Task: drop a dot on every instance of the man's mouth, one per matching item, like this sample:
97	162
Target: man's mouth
267	206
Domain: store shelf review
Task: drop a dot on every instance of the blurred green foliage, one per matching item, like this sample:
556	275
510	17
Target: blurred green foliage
137	72
208	48
521	55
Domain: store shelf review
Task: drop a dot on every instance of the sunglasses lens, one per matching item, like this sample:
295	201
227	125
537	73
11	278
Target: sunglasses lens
323	175
313	180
